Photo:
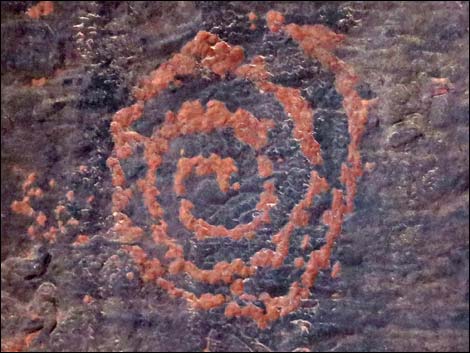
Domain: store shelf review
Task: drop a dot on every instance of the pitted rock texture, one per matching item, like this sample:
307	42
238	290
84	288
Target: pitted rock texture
403	252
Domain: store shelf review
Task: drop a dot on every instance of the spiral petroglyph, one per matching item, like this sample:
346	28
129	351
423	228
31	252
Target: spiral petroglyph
207	54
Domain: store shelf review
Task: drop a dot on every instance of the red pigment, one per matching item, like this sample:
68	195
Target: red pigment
207	51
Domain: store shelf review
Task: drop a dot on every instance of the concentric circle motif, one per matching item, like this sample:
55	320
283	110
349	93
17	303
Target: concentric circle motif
208	52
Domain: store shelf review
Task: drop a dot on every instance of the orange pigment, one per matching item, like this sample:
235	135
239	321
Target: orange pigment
207	52
42	8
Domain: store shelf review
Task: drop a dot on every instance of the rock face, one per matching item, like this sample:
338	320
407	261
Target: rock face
124	226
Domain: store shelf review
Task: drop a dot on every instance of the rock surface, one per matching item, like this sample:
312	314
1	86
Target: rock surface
404	251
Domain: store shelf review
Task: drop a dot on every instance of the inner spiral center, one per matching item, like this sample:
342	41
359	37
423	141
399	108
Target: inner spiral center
220	197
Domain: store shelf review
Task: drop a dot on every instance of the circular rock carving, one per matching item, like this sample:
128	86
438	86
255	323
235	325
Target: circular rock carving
208	53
